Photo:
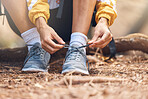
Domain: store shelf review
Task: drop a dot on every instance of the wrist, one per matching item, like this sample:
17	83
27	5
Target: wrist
40	23
104	21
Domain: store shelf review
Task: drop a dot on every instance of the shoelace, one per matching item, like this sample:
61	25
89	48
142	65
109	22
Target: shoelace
74	49
38	51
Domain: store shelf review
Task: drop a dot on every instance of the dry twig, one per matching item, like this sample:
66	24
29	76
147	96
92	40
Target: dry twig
81	80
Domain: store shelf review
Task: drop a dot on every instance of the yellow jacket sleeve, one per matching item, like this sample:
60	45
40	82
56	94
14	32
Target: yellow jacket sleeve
38	8
106	9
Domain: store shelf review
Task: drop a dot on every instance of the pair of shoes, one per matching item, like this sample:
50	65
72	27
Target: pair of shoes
37	60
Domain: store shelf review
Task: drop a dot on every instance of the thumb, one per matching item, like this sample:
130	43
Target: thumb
93	39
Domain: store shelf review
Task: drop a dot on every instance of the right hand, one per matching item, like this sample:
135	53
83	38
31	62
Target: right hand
102	35
47	35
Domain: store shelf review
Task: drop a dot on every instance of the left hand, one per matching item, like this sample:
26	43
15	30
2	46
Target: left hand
102	35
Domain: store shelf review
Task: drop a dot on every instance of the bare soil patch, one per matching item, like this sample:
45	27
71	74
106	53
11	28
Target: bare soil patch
123	78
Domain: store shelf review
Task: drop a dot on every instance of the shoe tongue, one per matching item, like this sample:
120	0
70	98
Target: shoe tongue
37	44
75	45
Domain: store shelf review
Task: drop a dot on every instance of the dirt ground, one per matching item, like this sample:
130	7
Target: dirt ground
123	78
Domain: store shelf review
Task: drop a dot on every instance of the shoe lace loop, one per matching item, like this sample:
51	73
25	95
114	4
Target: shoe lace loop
75	53
36	51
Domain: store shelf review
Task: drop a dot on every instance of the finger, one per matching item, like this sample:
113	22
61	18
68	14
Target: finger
53	44
105	38
95	37
105	44
102	45
49	49
58	38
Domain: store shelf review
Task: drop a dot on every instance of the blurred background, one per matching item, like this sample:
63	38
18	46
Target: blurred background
132	18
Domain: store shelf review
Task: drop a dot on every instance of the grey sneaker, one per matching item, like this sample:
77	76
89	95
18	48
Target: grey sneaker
75	61
36	60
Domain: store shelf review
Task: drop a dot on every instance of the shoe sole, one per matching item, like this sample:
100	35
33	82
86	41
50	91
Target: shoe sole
33	70
75	72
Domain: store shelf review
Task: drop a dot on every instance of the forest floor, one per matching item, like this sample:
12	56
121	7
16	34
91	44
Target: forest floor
123	78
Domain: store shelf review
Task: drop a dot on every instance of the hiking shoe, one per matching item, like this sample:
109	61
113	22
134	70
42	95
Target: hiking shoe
75	61
36	60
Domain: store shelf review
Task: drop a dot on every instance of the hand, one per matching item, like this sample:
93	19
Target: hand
102	35
47	35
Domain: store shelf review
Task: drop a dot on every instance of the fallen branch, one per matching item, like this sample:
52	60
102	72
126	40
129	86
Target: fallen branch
81	80
135	41
13	54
